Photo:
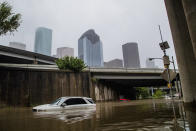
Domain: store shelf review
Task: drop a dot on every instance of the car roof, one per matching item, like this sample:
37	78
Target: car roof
66	97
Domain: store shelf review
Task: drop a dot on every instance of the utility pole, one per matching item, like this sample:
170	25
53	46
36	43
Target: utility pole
166	62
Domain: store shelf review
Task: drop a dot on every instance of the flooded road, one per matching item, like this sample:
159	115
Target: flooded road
142	115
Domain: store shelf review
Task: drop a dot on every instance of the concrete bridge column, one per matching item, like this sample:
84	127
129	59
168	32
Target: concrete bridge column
190	13
183	47
191	117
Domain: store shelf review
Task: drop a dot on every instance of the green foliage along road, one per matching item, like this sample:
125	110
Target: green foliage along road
158	94
70	63
142	93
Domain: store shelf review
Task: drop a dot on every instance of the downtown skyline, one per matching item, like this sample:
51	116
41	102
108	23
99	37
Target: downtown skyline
116	23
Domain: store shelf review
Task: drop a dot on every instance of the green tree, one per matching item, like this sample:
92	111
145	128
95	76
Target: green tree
9	21
142	92
70	63
158	94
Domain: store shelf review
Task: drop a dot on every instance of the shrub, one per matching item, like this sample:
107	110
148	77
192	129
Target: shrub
142	92
158	94
70	63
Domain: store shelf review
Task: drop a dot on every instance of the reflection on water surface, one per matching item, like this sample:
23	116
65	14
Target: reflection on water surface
68	116
144	115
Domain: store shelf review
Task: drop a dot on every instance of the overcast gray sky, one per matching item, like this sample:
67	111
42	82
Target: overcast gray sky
115	21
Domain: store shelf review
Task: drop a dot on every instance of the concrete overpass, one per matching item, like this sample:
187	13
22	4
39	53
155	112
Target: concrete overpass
121	76
102	83
123	81
129	77
17	56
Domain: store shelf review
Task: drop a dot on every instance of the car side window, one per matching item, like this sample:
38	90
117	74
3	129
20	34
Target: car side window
75	101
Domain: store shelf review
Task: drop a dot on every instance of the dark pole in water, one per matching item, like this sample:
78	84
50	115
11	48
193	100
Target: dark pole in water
166	61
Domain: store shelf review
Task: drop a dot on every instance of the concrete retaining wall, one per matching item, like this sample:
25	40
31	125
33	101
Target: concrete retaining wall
27	87
104	93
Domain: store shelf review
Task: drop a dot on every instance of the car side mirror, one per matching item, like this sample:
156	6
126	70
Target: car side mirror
63	104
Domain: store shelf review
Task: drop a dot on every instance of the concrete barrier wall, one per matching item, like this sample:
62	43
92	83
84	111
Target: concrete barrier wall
104	93
28	87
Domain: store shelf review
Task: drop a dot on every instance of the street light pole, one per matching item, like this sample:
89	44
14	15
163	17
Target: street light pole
166	61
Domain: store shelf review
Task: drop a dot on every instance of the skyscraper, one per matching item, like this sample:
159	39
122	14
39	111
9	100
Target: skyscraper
17	45
131	55
43	41
65	51
90	49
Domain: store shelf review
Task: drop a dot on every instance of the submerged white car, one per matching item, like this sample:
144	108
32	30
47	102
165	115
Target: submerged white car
67	103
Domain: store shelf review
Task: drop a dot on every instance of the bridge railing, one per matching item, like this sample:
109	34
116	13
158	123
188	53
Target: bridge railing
113	70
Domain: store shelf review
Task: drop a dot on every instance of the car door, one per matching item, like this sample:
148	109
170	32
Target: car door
75	103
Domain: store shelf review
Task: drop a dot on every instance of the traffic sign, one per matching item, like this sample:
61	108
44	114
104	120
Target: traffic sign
164	45
171	73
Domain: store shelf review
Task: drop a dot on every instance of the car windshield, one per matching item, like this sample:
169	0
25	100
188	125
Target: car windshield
91	101
56	102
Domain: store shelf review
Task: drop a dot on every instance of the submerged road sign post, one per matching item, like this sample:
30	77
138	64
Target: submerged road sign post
171	73
166	61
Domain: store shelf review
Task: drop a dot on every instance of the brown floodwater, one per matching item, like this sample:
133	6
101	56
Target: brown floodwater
142	115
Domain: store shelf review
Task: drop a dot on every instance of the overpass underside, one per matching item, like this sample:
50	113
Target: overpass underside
136	82
131	79
11	59
114	89
18	56
116	85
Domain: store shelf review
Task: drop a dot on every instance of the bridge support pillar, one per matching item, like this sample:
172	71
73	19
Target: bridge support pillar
190	115
190	13
183	47
104	92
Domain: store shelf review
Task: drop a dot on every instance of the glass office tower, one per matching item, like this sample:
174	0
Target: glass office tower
90	49
43	41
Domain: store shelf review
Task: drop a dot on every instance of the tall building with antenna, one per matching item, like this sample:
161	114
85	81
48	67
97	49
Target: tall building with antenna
90	49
